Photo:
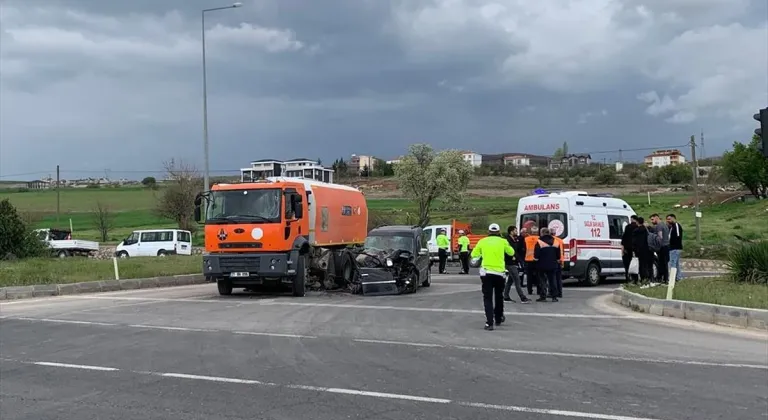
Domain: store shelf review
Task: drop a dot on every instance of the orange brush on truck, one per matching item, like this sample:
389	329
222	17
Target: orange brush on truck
279	230
456	226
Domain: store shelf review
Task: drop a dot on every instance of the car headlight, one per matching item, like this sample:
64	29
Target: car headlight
389	262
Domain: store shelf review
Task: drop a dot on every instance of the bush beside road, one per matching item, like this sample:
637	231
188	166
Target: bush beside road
39	271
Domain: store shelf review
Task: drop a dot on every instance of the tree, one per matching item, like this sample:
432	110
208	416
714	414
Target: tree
365	172
104	220
178	200
561	152
382	168
149	182
16	239
746	164
543	176
607	177
339	167
426	176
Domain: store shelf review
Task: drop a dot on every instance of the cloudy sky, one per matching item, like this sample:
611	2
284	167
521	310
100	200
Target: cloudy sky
94	85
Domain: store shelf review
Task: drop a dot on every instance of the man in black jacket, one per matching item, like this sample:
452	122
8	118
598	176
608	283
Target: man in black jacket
512	262
675	245
642	251
626	245
547	256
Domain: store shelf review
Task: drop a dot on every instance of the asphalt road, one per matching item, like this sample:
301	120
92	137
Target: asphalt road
187	353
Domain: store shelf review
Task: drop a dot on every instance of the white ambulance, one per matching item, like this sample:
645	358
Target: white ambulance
590	226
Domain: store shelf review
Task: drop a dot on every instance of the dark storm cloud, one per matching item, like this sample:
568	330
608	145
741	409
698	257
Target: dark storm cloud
118	84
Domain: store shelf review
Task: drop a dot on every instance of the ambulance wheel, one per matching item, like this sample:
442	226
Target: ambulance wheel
224	286
592	277
299	287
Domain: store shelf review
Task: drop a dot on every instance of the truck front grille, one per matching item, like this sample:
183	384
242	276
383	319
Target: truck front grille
234	264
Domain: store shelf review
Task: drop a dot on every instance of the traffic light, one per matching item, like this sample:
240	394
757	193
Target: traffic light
762	132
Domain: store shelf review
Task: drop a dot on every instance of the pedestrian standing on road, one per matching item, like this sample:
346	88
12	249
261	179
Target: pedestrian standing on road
662	230
642	251
511	262
463	242
530	263
547	256
559	270
443	248
675	245
626	245
491	251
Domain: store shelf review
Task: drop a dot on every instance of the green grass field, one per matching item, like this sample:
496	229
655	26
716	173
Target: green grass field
74	270
133	208
719	291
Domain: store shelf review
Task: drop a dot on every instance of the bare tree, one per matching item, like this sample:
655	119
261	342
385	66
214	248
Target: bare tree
178	199
103	219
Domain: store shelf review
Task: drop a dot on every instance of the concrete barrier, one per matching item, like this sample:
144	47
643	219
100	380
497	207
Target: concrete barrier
25	292
730	316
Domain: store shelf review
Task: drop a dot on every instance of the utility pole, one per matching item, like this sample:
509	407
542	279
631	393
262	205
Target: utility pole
703	149
695	165
58	194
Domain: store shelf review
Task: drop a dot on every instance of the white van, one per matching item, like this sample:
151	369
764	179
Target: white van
590	226
158	242
430	237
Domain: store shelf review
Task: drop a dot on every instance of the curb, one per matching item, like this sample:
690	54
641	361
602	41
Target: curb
25	292
730	316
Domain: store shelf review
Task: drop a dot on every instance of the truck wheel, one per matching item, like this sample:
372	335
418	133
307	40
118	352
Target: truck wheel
225	287
347	269
300	279
62	254
593	274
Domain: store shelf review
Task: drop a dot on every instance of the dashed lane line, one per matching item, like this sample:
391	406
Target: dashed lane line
344	391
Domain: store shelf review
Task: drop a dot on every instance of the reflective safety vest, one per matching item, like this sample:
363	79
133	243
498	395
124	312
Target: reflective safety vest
530	245
559	243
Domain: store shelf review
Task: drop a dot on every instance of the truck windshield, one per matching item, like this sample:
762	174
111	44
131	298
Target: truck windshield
556	222
244	206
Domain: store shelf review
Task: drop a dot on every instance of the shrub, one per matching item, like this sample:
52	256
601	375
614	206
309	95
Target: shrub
748	263
16	239
607	177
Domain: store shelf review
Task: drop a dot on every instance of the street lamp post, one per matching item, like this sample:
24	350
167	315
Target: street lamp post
206	178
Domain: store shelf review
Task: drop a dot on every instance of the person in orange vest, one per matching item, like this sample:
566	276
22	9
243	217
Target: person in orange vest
530	262
559	270
547	257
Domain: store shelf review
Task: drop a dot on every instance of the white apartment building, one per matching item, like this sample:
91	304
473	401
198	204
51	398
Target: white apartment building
295	168
474	159
661	158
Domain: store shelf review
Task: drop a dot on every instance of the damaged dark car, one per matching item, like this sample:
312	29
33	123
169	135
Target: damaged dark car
394	260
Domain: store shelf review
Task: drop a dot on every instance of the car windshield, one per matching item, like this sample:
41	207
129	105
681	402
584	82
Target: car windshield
389	242
251	206
556	222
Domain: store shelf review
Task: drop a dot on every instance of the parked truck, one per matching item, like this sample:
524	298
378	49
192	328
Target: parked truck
61	244
281	231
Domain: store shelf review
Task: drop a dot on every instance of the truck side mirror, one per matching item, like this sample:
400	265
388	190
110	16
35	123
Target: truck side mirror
198	213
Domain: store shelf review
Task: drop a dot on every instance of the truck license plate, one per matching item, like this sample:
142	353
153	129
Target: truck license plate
240	274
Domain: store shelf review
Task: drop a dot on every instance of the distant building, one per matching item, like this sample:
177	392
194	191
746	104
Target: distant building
38	185
395	160
619	166
474	159
525	160
572	160
661	158
298	168
358	163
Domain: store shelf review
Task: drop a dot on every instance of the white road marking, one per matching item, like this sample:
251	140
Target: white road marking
162	327
358	393
67	365
273	334
578	414
446	310
212	378
571	355
63	321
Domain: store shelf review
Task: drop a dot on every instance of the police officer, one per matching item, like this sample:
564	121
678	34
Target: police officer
491	251
443	247
464	252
